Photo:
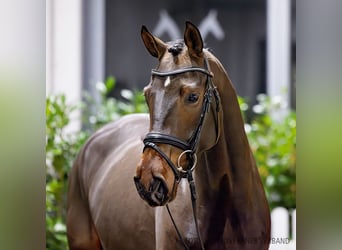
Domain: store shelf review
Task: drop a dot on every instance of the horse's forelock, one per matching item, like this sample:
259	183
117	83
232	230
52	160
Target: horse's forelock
176	47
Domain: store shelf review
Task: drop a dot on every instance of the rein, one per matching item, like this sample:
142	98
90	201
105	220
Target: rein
189	147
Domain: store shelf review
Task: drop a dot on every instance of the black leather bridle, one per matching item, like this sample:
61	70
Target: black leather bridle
189	147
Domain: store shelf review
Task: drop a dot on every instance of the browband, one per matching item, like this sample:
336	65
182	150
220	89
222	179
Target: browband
181	71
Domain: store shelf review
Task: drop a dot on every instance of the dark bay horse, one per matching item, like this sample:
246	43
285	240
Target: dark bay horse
194	130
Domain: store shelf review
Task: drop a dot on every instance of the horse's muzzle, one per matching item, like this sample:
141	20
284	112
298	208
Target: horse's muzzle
156	195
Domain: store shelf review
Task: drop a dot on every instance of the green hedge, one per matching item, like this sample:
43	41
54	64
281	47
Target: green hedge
273	144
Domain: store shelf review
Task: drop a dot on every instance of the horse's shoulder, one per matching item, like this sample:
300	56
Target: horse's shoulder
125	123
124	128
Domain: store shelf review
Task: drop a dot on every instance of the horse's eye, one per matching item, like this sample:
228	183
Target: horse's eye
192	97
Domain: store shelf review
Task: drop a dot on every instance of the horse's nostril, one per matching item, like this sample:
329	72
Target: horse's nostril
158	191
156	194
159	185
159	196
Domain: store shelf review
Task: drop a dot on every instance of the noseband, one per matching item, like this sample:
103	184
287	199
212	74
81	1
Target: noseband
189	147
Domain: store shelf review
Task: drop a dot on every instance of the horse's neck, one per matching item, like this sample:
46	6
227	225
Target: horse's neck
214	192
231	199
228	170
215	164
235	144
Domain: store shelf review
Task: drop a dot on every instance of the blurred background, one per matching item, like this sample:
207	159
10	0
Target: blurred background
96	67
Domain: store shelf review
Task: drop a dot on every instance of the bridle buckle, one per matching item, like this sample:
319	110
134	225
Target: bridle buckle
193	156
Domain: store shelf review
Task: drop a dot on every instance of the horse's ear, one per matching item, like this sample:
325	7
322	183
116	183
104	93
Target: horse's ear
193	39
154	45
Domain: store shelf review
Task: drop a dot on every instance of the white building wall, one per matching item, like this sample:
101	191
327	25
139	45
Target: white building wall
278	51
64	50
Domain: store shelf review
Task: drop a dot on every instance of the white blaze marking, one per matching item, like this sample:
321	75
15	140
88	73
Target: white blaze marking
167	82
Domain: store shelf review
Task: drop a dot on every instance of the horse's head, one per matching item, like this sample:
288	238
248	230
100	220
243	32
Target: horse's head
178	96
